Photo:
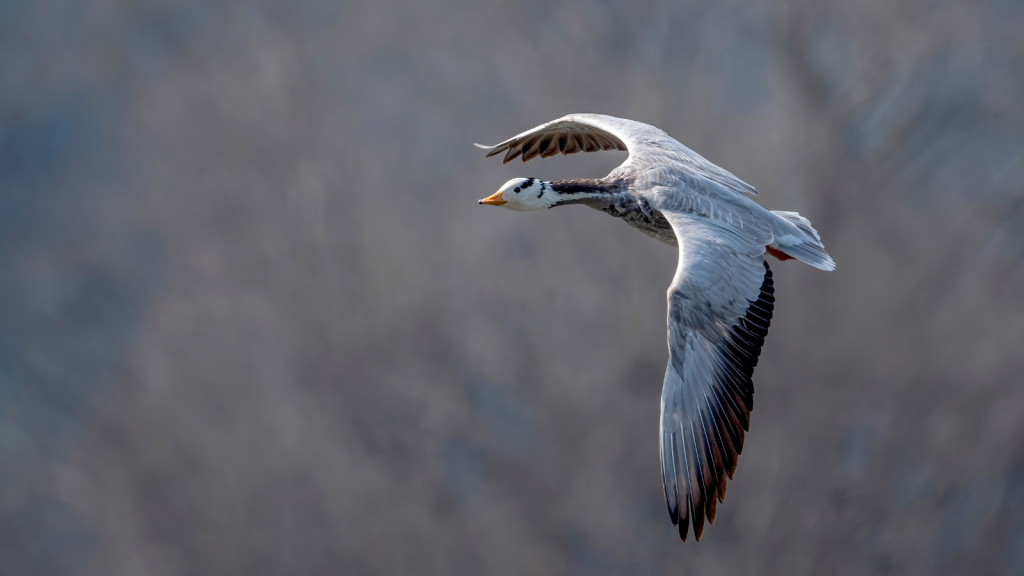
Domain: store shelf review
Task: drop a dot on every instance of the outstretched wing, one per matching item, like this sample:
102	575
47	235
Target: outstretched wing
648	147
719	307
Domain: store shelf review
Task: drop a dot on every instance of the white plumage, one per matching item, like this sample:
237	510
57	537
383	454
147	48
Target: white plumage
720	301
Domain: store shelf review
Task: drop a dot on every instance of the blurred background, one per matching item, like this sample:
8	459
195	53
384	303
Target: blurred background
252	320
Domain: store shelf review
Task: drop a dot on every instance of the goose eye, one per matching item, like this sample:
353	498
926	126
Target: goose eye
517	188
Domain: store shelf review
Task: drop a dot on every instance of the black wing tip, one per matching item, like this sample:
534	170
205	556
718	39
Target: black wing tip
698	522
673	511
493	152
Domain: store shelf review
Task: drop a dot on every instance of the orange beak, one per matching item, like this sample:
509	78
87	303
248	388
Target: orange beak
494	199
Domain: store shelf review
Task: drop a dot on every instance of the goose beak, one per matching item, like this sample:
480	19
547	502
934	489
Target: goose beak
494	199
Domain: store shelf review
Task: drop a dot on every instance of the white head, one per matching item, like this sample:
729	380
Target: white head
523	195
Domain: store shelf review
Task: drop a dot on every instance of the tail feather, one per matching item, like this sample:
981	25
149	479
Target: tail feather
795	236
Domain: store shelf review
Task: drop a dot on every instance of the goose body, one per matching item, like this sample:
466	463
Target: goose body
720	301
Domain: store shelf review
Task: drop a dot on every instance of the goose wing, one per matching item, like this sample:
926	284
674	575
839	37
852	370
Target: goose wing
719	307
648	147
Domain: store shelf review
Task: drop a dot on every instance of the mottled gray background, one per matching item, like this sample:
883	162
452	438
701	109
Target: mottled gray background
252	320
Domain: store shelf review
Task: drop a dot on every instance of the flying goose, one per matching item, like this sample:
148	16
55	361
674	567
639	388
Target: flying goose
720	301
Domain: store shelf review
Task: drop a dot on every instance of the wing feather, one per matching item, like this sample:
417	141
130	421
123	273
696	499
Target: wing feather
720	306
512	154
647	146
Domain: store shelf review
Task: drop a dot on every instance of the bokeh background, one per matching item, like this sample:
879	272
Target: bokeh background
252	320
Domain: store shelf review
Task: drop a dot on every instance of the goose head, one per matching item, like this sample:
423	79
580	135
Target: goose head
523	195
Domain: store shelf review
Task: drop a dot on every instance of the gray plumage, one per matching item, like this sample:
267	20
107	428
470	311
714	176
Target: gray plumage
721	299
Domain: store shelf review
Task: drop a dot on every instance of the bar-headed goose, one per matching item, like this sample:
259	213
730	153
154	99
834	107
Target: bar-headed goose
720	301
